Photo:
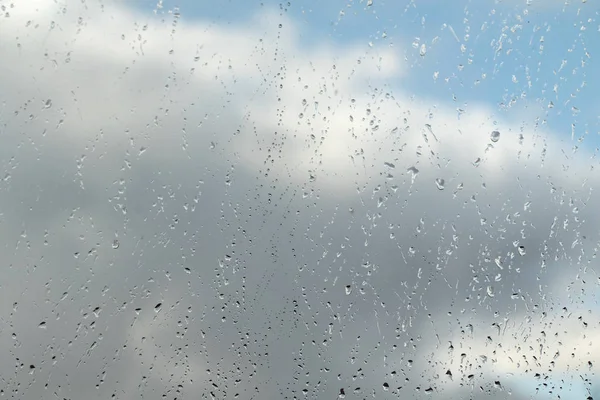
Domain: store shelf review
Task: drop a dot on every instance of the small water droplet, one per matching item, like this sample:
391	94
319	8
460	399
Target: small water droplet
348	289
490	291
157	307
521	250
115	244
439	182
495	136
48	103
42	325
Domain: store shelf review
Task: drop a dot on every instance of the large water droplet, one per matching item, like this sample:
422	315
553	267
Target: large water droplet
495	136
521	250
413	171
439	182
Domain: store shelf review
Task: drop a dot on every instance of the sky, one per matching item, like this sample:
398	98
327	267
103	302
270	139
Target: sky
263	200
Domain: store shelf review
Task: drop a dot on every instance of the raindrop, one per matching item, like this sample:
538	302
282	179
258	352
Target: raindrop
413	171
348	289
386	386
521	250
115	244
42	325
157	307
490	291
48	103
439	182
369	3
495	136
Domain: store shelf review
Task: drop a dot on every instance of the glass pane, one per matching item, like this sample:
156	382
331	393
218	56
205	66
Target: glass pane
298	200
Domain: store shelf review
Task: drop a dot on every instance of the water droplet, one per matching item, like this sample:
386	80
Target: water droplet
157	307
48	103
42	325
499	263
495	136
490	291
423	50
413	171
521	250
348	289
369	3
439	182
115	244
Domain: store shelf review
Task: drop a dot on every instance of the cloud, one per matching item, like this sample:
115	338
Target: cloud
295	212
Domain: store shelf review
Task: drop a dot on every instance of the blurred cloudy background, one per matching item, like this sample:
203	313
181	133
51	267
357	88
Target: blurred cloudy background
298	200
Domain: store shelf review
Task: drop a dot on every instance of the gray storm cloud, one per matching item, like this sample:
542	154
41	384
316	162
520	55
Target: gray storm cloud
304	225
